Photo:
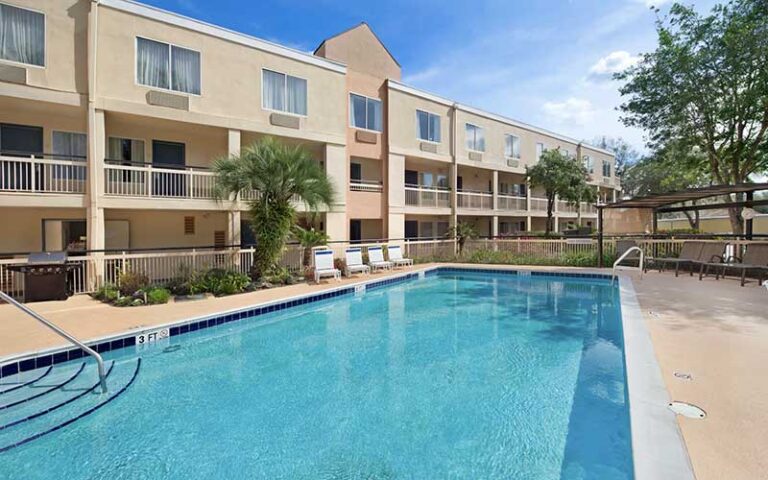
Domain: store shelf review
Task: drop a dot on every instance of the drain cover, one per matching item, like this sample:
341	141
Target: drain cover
687	410
684	375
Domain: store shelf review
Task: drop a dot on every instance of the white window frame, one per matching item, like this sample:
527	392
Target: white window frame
418	130
137	139
45	39
170	64
467	124
589	164
519	146
352	117
610	169
285	93
540	153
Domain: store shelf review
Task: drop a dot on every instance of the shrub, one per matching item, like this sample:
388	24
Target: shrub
219	282
279	275
341	264
131	283
157	296
108	293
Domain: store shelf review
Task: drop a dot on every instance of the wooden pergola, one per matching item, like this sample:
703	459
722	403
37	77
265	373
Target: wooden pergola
668	203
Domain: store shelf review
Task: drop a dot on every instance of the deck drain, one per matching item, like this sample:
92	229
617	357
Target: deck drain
654	314
171	348
687	410
684	375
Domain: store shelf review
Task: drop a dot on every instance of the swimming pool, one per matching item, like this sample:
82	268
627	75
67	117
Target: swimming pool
459	374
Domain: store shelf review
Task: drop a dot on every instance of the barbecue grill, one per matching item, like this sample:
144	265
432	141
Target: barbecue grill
45	276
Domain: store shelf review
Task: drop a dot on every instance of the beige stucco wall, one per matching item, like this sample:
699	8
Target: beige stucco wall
156	229
231	79
40	114
66	25
23	227
360	50
476	179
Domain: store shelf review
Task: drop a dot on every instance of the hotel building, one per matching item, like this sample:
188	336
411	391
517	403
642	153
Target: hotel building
112	112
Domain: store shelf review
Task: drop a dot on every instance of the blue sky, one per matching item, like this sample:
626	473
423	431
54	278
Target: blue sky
546	62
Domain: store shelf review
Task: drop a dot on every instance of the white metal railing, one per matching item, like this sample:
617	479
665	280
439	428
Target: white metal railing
623	256
510	202
565	207
418	196
588	208
31	174
62	333
156	182
538	204
474	200
366	186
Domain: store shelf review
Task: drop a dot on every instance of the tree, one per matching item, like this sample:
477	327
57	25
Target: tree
309	238
559	176
667	170
275	173
462	232
623	152
582	192
706	86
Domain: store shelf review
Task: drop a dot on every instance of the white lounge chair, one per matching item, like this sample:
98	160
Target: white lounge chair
355	262
324	266
396	256
376	259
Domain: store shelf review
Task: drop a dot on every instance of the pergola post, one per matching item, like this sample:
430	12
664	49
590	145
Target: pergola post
749	223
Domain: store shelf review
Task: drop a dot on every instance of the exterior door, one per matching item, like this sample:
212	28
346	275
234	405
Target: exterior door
169	155
411	229
411	177
19	141
355	231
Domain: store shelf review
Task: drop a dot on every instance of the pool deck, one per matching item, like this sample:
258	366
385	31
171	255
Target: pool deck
714	331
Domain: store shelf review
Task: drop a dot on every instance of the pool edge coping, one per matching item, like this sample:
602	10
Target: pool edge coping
658	446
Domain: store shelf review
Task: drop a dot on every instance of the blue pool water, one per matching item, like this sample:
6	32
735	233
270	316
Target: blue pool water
456	376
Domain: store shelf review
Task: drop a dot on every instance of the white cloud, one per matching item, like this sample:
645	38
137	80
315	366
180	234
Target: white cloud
424	75
573	110
614	62
653	3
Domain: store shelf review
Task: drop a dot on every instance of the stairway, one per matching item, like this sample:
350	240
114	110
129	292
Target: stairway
42	401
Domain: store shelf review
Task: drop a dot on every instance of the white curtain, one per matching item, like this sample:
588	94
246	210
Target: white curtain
70	146
126	149
297	95
152	63
357	110
423	124
374	115
434	128
273	91
185	70
22	35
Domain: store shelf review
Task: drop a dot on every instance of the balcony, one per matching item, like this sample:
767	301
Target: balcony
475	200
374	186
37	174
510	202
565	207
538	204
149	181
427	197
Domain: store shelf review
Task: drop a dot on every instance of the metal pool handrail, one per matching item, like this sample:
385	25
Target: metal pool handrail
63	333
625	255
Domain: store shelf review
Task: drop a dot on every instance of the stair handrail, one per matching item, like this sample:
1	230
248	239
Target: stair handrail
62	333
625	255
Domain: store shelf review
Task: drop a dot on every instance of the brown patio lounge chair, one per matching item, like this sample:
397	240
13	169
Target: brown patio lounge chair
690	252
712	255
621	248
755	258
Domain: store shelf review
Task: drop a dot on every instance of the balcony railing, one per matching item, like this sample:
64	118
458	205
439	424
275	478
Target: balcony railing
42	175
431	197
510	202
565	207
475	200
588	208
538	204
366	186
158	182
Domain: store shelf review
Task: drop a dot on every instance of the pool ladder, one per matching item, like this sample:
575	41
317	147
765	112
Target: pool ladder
624	256
62	333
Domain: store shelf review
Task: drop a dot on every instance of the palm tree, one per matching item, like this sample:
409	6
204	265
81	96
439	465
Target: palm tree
275	173
309	238
462	232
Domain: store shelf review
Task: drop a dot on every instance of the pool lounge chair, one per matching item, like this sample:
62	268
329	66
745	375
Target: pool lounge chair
755	258
712	254
690	252
376	259
355	263
395	254
324	266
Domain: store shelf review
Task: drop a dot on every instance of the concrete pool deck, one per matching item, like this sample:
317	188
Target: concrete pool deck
715	331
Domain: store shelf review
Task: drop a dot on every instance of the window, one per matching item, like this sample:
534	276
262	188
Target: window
589	164
167	66
365	112
70	146
512	146
355	172
283	93
126	150
606	169
539	151
22	35
475	138
428	126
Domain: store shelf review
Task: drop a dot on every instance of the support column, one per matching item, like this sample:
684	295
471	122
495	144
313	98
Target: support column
95	212
452	175
234	215
495	226
495	190
528	223
336	166
396	196
233	142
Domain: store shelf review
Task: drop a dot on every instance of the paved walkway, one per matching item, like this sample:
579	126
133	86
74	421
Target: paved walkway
713	330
